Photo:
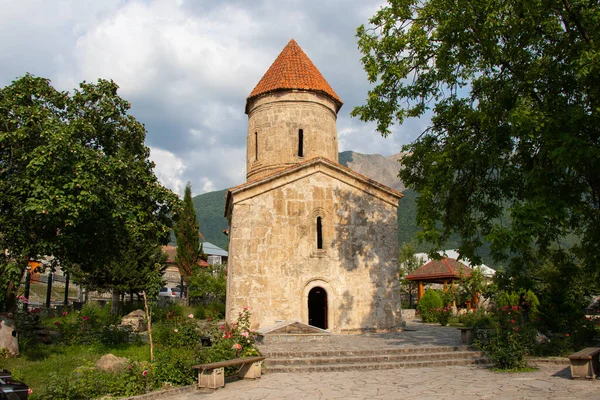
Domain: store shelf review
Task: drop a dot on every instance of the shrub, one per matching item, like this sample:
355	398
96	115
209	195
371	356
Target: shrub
174	367
183	333
430	301
93	324
479	319
512	336
443	315
88	382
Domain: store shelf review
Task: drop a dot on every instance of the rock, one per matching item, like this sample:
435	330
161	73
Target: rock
540	338
136	320
8	335
110	362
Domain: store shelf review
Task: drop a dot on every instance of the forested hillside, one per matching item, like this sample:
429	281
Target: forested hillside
210	208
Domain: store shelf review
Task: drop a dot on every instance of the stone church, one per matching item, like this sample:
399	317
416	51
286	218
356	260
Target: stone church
310	240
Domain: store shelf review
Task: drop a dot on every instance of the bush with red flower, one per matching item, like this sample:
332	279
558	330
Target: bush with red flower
511	336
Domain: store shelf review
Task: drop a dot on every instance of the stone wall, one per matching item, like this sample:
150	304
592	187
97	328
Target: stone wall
274	121
274	260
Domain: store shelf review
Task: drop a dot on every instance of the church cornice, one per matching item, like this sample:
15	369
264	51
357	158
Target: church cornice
315	165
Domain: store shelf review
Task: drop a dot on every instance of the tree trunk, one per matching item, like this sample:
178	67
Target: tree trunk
115	306
149	327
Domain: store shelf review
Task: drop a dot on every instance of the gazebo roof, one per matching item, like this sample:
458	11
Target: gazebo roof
438	271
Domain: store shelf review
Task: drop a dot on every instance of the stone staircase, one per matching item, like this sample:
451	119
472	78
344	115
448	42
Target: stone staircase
368	359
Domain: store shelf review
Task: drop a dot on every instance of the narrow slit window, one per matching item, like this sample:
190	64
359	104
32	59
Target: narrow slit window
300	143
319	234
256	146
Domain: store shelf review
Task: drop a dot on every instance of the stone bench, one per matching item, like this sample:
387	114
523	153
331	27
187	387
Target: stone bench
584	363
466	335
212	376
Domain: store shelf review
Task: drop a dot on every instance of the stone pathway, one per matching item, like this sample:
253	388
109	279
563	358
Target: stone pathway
415	334
551	381
440	383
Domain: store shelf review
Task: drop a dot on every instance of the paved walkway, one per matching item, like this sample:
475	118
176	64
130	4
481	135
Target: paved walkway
416	333
440	383
551	381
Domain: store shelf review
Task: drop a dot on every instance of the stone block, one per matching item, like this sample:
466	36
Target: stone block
250	370
211	378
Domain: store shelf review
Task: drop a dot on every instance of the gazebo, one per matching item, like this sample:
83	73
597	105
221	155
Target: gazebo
444	271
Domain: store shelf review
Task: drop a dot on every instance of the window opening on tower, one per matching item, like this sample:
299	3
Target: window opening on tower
300	143
319	234
256	146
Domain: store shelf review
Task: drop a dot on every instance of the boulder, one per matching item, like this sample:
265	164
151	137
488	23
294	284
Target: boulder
110	362
8	335
136	320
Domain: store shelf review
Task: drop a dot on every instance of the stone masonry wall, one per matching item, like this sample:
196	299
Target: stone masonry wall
275	120
274	260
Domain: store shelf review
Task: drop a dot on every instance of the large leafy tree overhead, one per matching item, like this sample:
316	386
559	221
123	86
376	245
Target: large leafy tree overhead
512	88
75	180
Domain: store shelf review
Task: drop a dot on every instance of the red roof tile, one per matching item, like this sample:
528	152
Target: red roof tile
440	270
292	69
171	252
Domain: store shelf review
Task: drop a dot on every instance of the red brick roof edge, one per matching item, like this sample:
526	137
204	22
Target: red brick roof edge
293	69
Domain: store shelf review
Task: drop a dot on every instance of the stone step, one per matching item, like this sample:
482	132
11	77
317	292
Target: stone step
373	366
357	352
372	358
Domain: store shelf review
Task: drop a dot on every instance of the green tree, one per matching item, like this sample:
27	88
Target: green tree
75	179
187	232
512	87
408	263
137	269
209	284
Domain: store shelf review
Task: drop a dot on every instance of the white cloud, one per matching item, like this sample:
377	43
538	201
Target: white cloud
187	67
169	169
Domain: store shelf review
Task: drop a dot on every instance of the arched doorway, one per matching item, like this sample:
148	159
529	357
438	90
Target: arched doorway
317	307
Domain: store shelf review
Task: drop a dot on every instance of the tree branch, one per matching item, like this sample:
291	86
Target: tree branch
580	28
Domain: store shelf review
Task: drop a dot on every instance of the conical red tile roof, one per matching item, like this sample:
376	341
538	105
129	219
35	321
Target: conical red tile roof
292	69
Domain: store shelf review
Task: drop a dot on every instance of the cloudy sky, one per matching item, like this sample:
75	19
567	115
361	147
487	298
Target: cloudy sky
187	67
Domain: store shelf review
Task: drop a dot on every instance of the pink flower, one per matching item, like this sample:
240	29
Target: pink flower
512	321
236	346
246	308
191	316
175	330
516	329
244	334
223	327
209	319
515	308
56	323
566	335
145	372
65	313
86	318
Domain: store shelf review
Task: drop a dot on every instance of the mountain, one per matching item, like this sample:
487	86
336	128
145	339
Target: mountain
382	169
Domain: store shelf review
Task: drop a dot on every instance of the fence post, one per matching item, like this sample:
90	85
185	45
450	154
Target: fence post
66	302
27	288
49	290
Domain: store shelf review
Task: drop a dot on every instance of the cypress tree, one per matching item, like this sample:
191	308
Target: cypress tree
187	233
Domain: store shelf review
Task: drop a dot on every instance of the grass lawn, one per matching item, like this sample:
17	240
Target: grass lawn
37	362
